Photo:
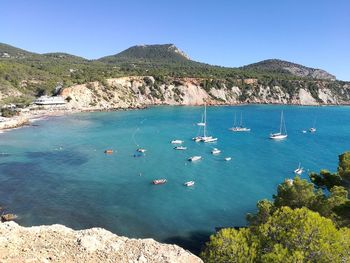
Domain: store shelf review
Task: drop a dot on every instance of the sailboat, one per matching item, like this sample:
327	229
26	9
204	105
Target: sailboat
280	135
240	127
313	128
299	170
204	138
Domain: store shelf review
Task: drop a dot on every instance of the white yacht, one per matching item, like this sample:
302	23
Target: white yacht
215	151
180	148
177	141
141	150
209	139
189	183
195	158
204	138
240	127
299	170
47	100
227	159
282	134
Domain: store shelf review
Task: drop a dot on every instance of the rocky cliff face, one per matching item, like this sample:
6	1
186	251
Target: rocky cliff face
132	92
58	243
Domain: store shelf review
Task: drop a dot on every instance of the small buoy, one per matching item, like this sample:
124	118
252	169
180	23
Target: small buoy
109	151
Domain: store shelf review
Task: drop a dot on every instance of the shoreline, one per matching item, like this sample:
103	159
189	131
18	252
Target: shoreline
29	116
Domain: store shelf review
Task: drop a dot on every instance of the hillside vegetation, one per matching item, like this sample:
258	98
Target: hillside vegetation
25	75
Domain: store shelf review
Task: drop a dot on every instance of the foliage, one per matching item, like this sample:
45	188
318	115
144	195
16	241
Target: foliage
32	74
344	166
288	235
301	193
342	178
7	113
325	179
230	245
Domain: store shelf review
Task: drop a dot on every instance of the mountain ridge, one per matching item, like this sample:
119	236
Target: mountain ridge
168	54
25	75
148	53
291	67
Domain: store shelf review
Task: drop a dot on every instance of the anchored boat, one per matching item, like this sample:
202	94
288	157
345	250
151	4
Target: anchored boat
282	134
190	183
180	148
240	127
299	170
194	158
215	151
159	181
177	141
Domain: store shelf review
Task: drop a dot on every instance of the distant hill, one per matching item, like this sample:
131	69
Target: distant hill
10	52
149	53
61	55
281	66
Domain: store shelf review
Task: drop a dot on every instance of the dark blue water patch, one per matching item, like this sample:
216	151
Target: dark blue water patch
72	158
4	155
194	241
15	169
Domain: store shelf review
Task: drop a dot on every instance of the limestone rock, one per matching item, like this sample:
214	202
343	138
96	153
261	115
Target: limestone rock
57	243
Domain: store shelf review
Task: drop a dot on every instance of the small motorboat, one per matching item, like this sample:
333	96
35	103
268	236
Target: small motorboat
159	181
209	139
141	150
303	131
190	183
108	151
239	129
194	158
215	151
312	129
227	159
299	170
197	138
177	141
180	148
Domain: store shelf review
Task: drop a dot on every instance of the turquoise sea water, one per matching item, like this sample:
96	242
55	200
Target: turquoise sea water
56	172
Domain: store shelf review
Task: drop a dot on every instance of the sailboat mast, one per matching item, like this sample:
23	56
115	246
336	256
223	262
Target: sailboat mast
281	122
205	120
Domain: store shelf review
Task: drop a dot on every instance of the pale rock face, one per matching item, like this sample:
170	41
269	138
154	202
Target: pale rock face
58	243
326	96
306	98
140	91
219	93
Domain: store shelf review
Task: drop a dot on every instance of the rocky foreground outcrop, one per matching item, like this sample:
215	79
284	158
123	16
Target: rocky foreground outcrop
58	243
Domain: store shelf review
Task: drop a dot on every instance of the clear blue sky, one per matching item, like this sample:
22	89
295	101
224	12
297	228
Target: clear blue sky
314	33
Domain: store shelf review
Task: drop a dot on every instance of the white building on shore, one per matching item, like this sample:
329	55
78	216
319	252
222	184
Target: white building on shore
47	100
